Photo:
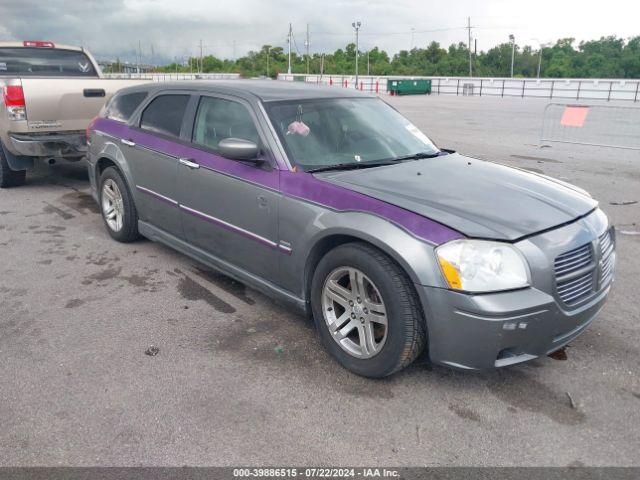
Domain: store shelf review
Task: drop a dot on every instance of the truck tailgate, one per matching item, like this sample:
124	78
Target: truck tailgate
63	104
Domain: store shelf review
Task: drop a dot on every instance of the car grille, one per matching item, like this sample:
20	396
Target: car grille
575	270
574	274
607	257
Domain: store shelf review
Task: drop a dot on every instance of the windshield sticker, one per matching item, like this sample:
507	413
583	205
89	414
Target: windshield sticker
298	128
3	66
418	134
83	67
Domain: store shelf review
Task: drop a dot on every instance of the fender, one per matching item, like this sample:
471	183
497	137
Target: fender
326	226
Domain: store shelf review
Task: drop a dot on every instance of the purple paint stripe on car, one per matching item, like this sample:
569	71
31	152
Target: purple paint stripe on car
297	184
210	160
307	187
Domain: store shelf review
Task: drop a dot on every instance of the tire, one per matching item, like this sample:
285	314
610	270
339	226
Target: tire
387	284
122	227
10	178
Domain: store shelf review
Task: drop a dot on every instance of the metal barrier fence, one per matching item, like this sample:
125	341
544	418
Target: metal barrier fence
165	77
597	125
565	88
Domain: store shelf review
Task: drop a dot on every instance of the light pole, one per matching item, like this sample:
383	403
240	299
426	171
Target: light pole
540	48
268	54
356	26
513	51
289	45
542	45
539	60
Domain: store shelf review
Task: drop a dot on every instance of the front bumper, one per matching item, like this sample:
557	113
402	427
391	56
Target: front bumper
491	330
479	332
71	145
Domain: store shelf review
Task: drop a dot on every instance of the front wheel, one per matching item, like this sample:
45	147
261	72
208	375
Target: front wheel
118	210
366	311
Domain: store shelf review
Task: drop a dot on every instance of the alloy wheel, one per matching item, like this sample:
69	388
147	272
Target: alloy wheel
354	312
112	205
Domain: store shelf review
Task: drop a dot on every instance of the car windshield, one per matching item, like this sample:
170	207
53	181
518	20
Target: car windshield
343	131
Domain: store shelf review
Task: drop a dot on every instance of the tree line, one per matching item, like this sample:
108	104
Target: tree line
608	57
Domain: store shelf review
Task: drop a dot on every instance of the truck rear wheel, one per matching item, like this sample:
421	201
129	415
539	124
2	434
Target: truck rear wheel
10	178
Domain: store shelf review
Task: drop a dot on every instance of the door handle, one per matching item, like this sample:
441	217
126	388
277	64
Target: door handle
93	92
127	142
188	163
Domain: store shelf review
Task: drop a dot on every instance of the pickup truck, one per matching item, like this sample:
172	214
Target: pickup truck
50	93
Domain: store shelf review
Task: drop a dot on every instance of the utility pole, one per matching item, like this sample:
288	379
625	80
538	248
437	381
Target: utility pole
306	43
268	55
139	56
356	26
412	32
368	63
513	51
540	59
289	44
321	65
200	68
470	55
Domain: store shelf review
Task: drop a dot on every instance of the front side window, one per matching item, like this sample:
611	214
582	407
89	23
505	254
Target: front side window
122	106
322	133
33	62
164	115
219	118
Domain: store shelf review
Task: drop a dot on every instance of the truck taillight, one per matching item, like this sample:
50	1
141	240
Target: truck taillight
90	127
13	97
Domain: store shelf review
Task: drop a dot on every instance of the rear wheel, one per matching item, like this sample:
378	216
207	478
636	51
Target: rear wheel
118	210
366	311
8	177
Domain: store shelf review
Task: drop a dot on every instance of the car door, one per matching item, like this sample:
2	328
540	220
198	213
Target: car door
229	208
152	152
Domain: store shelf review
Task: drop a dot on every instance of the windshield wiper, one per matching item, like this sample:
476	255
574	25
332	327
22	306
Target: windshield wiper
349	166
415	156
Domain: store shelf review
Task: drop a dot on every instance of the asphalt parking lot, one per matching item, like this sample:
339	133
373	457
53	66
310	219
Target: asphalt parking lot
241	380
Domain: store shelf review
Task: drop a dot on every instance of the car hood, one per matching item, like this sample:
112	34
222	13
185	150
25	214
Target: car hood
477	198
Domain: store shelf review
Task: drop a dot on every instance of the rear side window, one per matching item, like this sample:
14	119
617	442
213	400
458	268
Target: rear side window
121	107
164	115
50	62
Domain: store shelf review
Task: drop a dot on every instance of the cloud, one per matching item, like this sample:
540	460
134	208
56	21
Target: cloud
168	29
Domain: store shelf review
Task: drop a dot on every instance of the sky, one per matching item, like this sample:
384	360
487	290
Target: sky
170	29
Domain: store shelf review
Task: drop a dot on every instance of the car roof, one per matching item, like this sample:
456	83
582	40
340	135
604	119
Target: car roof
263	90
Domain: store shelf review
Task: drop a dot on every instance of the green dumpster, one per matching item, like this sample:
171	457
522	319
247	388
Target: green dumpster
298	78
408	86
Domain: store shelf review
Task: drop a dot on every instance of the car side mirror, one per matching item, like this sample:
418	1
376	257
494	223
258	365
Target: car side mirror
239	149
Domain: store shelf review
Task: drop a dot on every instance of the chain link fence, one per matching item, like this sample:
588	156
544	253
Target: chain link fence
598	125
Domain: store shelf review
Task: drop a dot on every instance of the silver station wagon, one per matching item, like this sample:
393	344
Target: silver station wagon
331	201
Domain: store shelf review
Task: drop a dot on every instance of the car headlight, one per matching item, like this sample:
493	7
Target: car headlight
482	266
